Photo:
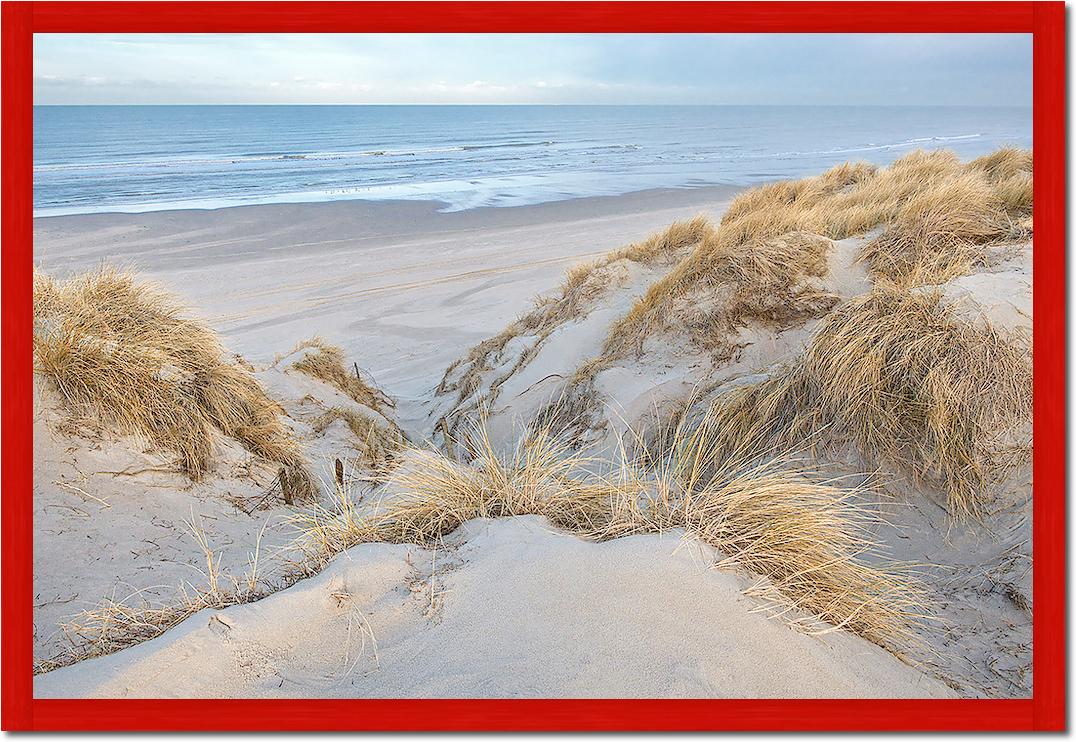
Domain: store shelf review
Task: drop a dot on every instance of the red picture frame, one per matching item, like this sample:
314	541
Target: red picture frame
1045	20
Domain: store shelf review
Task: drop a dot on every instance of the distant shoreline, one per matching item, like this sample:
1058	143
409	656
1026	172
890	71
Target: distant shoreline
671	196
649	198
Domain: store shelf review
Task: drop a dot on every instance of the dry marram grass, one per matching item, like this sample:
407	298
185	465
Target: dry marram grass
940	217
377	436
121	351
911	385
939	233
326	362
377	441
894	373
767	282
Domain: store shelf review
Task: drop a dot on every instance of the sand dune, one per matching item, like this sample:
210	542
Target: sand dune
716	342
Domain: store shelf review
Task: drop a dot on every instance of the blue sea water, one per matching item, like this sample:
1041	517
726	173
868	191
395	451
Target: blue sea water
142	158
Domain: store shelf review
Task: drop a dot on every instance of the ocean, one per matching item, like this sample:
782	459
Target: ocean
143	158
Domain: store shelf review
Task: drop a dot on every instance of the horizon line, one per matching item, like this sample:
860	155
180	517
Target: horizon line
544	105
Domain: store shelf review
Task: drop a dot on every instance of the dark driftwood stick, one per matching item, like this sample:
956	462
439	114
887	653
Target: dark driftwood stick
443	424
285	486
340	475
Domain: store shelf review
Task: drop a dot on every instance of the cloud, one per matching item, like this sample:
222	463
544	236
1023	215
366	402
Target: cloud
802	69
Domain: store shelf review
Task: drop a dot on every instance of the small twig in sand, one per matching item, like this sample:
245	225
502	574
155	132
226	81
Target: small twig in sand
264	497
79	491
128	473
433	578
544	378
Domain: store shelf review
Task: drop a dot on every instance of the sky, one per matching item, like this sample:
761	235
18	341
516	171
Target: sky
728	69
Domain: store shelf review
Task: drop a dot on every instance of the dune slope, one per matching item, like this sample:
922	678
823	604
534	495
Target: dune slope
506	608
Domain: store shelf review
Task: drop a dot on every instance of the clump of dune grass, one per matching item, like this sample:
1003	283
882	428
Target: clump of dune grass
1010	172
939	233
377	440
766	282
666	245
1006	164
433	494
123	353
911	385
325	362
789	198
804	537
377	437
944	215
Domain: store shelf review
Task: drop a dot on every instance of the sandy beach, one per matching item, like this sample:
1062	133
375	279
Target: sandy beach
487	427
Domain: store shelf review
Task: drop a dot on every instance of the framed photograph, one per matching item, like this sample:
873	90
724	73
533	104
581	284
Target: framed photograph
533	366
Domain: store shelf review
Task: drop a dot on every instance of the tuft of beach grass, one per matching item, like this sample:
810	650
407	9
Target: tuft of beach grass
123	353
911	385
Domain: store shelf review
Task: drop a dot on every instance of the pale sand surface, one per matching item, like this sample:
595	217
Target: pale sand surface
508	608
